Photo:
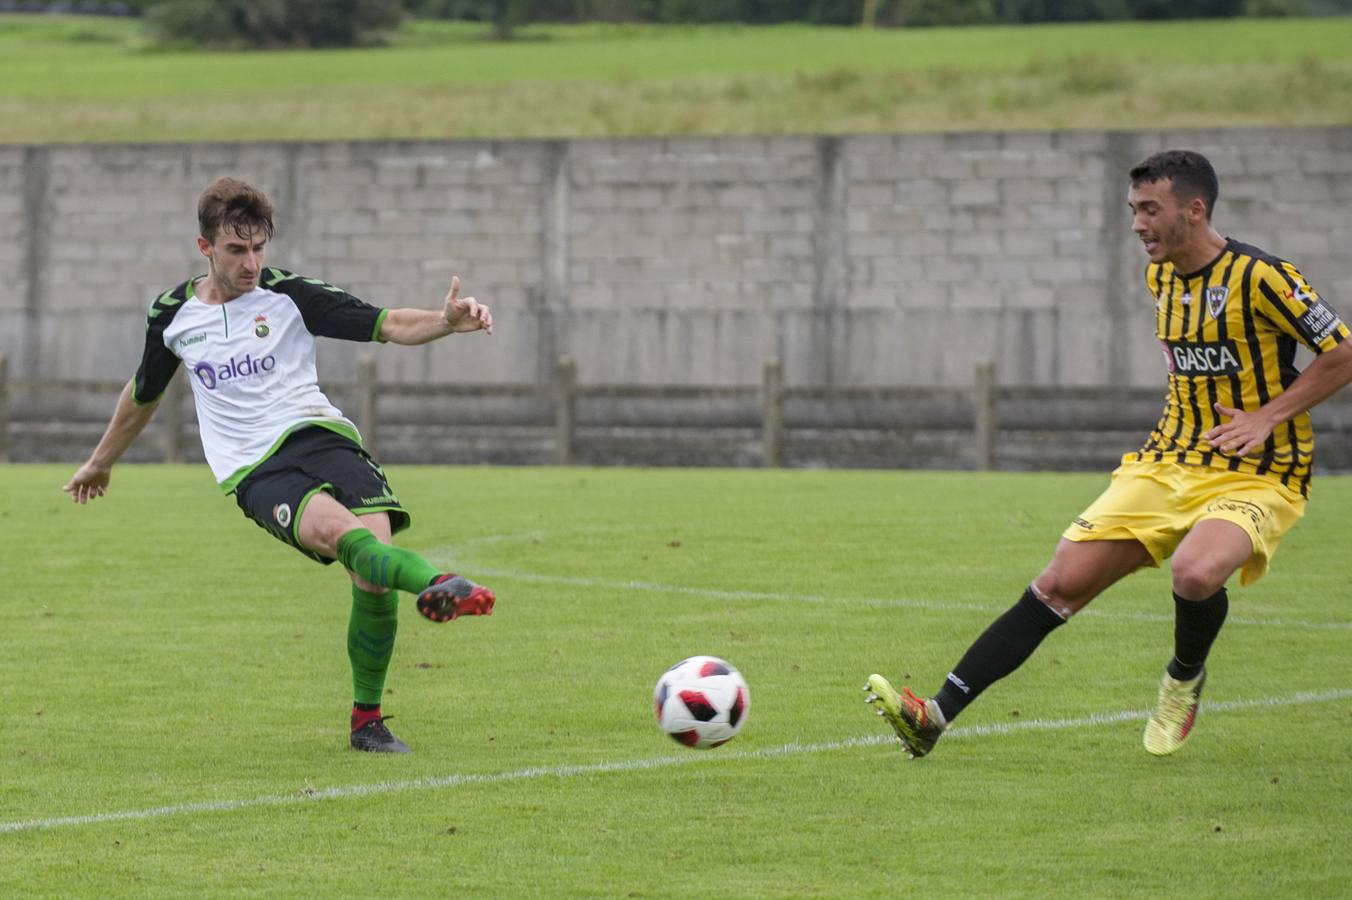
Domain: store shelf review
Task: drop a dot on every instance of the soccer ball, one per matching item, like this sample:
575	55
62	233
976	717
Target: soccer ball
701	702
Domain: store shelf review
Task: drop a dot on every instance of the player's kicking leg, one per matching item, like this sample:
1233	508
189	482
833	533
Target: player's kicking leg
441	596
450	596
1078	572
916	720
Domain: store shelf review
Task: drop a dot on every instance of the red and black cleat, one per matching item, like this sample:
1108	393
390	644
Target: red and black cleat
375	737
451	596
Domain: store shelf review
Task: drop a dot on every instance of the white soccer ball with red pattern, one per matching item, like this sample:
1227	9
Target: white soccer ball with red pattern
701	702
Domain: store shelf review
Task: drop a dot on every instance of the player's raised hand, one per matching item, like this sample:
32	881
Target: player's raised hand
1243	434
466	313
87	483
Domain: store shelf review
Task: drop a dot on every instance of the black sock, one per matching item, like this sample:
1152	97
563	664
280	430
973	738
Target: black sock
1196	624
1001	649
366	707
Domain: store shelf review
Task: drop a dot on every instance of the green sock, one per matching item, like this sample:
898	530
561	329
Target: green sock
388	566
370	641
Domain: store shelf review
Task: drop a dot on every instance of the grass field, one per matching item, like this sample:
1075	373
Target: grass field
175	688
80	79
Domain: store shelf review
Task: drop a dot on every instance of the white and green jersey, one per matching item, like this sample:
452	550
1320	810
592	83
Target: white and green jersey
251	363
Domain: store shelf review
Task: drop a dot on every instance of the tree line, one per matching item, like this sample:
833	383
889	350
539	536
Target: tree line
341	23
886	13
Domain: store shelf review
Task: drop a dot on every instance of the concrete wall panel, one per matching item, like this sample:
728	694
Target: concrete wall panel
868	259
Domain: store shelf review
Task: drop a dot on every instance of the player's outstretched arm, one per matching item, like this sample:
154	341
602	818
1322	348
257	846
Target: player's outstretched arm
1245	432
418	326
128	421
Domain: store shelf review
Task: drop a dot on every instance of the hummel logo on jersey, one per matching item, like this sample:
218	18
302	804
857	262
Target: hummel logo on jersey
1201	358
212	374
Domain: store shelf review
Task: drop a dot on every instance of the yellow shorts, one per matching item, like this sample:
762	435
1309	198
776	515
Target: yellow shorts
1158	503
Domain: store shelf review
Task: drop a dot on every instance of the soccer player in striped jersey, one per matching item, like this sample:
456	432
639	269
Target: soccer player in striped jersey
245	332
1223	475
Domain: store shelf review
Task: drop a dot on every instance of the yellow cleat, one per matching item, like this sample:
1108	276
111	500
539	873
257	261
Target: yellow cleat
916	720
1174	715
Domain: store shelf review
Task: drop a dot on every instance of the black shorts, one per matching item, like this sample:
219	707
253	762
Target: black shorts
315	459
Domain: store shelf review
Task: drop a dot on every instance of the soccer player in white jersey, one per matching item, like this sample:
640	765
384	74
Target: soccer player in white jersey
246	333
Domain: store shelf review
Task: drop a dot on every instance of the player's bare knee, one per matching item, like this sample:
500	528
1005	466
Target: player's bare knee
329	531
1048	589
1196	579
321	539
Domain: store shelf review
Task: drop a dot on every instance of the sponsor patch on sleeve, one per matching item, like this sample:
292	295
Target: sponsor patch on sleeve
1319	320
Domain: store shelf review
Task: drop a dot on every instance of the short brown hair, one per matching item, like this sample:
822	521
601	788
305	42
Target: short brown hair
231	204
1190	172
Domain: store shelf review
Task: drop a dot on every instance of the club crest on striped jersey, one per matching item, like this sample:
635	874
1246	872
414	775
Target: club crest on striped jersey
1215	300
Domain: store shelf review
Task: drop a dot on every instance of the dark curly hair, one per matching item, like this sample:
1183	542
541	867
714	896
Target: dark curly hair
1190	172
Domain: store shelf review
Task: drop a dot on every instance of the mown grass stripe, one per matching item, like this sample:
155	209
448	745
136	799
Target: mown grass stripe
634	765
896	602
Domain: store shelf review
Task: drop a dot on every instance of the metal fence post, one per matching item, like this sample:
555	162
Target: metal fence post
366	402
171	438
983	409
565	420
4	408
772	413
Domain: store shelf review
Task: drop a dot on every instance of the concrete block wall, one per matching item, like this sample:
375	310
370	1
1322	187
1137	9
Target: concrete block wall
863	259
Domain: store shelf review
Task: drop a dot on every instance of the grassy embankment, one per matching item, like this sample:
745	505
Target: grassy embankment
64	79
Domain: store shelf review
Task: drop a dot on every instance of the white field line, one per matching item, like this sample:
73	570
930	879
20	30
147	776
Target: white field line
887	602
310	795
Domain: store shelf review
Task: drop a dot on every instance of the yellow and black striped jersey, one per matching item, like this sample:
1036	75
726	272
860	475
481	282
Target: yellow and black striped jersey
1229	336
